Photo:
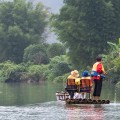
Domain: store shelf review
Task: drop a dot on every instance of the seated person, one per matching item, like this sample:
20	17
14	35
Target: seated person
86	83
71	86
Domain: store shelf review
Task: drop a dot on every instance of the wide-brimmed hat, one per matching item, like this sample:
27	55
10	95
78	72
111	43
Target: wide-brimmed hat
75	73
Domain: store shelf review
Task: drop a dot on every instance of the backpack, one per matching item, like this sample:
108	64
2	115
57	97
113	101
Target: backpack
99	68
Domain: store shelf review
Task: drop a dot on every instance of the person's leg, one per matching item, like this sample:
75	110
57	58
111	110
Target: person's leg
80	95
76	95
72	94
99	88
95	89
84	95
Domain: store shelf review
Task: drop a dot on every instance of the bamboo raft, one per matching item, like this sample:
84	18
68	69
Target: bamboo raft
86	101
64	96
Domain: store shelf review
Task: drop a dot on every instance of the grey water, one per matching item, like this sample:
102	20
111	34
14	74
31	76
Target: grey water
22	101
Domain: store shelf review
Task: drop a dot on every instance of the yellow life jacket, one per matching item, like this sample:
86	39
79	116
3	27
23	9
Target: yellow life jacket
95	67
77	81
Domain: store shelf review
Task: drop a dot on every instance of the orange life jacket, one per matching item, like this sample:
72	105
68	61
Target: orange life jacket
71	84
70	81
86	84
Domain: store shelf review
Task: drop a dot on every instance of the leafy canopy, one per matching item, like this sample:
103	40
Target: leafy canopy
36	54
55	49
85	26
21	24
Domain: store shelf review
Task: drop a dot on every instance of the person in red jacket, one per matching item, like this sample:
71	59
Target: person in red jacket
98	75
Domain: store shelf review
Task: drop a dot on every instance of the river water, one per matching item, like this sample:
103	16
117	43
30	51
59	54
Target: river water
21	101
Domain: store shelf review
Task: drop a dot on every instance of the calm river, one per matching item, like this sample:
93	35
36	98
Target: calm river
38	102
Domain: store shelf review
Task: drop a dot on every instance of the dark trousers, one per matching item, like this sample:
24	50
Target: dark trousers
71	89
97	87
71	93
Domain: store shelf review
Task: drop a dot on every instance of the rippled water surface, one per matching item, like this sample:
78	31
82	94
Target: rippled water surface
38	102
59	111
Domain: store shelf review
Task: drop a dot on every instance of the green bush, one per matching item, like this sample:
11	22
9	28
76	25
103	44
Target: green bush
111	62
7	69
61	68
11	72
118	85
36	54
37	72
57	67
62	78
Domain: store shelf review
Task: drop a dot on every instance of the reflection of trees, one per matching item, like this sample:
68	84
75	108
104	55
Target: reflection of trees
107	91
22	93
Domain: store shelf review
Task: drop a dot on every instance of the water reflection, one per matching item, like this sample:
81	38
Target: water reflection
38	102
59	111
23	94
85	112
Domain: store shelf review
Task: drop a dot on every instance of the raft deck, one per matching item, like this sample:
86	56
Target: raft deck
64	96
86	101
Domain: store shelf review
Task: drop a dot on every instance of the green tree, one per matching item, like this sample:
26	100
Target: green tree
36	54
61	68
85	26
21	24
55	49
116	9
58	66
112	62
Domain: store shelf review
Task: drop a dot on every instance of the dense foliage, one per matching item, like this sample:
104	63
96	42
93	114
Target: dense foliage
29	72
10	70
21	24
85	26
36	54
55	49
58	66
112	62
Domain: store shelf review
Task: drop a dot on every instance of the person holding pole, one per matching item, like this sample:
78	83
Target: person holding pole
98	73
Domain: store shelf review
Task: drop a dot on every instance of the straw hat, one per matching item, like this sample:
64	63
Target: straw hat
75	73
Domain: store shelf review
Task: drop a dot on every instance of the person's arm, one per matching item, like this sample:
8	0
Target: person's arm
104	72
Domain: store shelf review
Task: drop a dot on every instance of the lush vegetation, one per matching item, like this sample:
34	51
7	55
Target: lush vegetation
85	28
30	72
112	62
21	24
36	54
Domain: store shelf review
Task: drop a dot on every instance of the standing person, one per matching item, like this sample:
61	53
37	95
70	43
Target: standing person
98	75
